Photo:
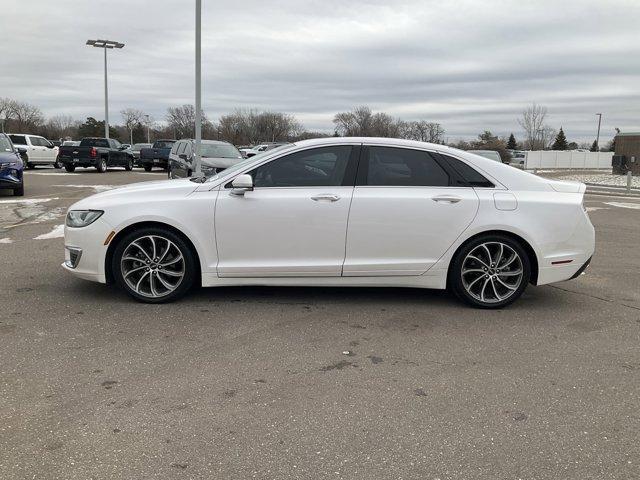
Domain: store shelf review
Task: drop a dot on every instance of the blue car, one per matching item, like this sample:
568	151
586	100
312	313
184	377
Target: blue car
11	166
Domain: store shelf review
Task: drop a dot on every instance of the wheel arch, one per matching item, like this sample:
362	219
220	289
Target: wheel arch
147	224
531	253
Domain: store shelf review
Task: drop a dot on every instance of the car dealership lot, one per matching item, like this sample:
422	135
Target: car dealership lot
311	382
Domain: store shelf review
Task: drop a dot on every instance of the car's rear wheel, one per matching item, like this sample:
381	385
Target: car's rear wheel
57	164
70	168
491	271
154	265
18	192
147	168
102	165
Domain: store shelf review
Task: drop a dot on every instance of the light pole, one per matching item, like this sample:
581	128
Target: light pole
105	44
197	169
147	120
598	135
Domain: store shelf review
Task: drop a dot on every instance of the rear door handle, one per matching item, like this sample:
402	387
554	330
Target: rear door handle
326	197
447	198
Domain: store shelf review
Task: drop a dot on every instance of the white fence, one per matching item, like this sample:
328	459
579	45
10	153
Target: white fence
562	159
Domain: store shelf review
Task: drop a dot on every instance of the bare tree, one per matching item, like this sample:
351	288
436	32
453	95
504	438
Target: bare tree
61	126
248	127
362	122
182	121
424	131
24	116
132	118
532	122
5	110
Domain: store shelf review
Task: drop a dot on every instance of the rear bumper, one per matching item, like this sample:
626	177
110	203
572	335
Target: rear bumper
78	162
156	162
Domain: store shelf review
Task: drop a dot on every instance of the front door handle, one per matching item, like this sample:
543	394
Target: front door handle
326	197
446	198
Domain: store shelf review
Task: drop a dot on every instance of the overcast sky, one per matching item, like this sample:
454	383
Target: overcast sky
470	65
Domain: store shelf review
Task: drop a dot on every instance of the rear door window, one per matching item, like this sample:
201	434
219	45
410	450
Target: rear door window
401	167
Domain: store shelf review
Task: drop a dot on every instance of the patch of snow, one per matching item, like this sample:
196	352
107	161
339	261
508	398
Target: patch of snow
602	179
57	232
635	206
96	188
29	201
6	240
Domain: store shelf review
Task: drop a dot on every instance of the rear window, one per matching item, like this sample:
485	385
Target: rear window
94	142
468	174
18	139
219	151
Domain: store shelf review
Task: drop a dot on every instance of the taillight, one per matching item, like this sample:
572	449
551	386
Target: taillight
93	153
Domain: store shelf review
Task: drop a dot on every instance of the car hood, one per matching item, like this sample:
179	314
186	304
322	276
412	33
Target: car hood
136	192
220	162
6	157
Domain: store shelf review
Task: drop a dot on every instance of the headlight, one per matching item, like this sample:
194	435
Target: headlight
82	218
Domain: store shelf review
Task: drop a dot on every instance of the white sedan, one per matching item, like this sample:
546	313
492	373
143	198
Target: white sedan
337	212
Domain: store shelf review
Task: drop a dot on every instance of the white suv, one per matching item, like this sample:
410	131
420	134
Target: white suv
40	151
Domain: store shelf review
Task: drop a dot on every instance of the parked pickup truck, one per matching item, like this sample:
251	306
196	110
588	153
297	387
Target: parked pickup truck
157	155
100	153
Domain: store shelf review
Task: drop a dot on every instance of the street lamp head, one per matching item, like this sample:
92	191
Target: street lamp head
105	43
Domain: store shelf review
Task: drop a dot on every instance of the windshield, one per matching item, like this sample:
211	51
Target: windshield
5	144
245	163
163	144
219	151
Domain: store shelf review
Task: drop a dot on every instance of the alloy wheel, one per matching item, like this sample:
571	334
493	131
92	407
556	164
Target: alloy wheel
492	272
152	266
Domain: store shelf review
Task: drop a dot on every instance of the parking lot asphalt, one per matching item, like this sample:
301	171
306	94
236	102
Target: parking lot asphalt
272	383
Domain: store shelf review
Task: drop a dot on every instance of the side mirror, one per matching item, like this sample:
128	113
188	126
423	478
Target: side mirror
51	145
21	150
242	184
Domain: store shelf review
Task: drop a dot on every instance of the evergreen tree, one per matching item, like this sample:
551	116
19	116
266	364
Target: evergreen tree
594	146
512	144
560	142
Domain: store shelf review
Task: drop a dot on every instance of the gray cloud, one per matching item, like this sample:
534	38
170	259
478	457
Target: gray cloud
469	65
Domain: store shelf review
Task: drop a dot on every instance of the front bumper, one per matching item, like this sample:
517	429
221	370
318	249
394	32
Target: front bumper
10	177
89	241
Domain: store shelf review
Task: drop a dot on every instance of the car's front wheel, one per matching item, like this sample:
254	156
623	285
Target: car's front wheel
154	265
491	271
129	166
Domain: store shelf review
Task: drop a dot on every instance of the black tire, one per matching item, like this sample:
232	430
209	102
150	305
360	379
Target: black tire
57	164
30	165
70	168
129	166
190	268
18	192
147	168
102	165
499	279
